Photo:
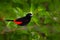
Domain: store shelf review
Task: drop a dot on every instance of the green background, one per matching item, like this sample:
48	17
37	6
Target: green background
44	25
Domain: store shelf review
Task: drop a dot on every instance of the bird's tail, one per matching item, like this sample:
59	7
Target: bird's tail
9	20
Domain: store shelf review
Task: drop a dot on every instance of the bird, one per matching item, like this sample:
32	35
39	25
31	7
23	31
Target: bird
23	21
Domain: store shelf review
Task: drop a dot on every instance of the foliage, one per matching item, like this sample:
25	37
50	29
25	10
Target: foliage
44	25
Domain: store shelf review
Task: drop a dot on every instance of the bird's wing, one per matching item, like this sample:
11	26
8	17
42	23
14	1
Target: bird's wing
18	22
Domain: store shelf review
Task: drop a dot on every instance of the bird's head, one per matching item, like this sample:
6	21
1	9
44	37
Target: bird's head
29	14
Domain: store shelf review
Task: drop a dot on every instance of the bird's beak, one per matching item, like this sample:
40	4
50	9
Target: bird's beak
31	13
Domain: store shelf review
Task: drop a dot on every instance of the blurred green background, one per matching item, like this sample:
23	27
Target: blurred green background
44	25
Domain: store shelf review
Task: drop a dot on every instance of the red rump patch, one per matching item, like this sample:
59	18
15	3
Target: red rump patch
17	22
